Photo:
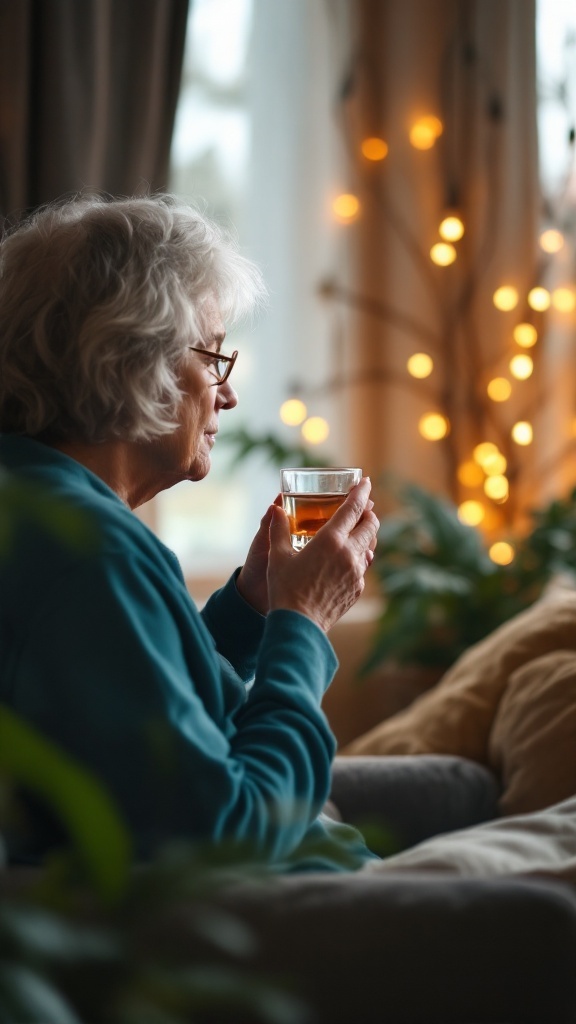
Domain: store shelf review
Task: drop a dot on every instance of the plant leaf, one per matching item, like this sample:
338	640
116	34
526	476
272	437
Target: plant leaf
27	998
37	932
76	797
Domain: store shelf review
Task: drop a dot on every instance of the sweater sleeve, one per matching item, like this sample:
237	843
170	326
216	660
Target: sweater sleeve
119	669
236	627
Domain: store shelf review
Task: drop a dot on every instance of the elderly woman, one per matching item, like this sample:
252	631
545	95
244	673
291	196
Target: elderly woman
204	726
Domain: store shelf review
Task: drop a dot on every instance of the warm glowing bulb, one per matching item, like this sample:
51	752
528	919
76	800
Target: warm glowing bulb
499	389
346	207
471	513
469	474
522	432
483	451
315	430
420	365
293	412
494	464
496	487
525	335
539	299
551	240
521	367
451	228
501	552
374	148
564	300
425	131
433	426
443	254
505	298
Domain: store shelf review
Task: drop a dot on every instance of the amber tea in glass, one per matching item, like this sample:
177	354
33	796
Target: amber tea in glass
310	498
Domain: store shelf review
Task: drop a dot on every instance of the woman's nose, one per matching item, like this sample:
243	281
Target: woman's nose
227	397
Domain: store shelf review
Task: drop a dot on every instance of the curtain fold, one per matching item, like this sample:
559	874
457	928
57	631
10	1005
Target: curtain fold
88	94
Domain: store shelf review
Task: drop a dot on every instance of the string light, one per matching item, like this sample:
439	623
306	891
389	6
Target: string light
346	207
470	474
495	464
521	367
293	412
501	553
433	426
522	432
471	513
499	389
496	487
420	365
551	240
525	335
505	298
487	467
315	430
451	229
374	148
483	451
425	131
539	299
443	254
563	299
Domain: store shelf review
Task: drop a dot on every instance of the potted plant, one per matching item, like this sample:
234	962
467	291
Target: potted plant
441	590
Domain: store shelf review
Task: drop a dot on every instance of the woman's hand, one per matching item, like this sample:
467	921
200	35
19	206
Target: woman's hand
326	578
252	581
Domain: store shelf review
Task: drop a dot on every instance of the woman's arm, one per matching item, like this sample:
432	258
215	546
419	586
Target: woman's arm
118	668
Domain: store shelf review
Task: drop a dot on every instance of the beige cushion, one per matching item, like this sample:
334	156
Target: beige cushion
456	716
533	741
541	844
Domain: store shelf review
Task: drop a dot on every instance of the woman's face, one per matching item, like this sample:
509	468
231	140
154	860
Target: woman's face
185	454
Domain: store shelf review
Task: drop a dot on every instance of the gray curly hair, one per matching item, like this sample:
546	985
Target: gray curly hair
99	299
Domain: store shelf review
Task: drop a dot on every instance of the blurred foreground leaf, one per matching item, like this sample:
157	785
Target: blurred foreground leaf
23	500
81	804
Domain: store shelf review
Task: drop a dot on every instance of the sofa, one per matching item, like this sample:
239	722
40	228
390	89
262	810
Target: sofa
430	936
428	948
418	947
472	918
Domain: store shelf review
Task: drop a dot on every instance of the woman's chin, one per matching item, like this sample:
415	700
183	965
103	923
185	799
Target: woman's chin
199	468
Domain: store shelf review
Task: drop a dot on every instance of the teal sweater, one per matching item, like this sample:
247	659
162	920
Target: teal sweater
204	726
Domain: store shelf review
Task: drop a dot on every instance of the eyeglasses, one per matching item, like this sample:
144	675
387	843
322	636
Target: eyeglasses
220	366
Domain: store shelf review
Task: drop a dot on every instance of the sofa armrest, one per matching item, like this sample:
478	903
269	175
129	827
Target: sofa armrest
426	949
400	801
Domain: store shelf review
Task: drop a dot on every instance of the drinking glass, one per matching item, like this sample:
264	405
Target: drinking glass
311	496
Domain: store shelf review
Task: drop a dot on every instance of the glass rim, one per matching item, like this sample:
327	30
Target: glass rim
321	469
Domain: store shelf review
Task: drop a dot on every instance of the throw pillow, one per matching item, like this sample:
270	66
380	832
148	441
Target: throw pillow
533	741
457	715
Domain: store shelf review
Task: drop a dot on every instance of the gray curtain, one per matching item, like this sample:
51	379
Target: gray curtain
88	93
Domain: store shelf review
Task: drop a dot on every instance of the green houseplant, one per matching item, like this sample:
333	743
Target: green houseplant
442	591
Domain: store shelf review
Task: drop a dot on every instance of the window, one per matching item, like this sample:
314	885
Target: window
253	141
207	524
556	55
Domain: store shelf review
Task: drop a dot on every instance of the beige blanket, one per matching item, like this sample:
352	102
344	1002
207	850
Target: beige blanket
541	844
